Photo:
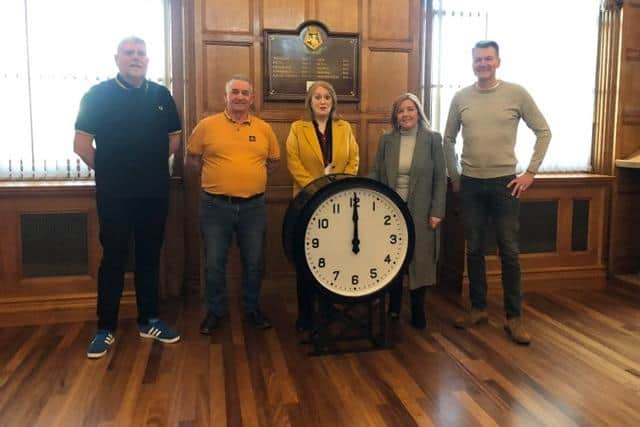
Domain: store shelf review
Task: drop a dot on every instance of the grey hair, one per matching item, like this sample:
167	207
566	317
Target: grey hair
422	117
483	44
130	39
227	85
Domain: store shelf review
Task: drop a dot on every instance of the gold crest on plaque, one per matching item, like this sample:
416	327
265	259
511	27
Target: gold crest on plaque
313	38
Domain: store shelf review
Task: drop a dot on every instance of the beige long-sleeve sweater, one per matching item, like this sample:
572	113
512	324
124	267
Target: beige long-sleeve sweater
489	121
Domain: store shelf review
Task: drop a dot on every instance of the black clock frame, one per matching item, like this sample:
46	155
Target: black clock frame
301	209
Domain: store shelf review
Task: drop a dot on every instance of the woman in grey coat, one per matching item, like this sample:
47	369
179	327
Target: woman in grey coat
411	161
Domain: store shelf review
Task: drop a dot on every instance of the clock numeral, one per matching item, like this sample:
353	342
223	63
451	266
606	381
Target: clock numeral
315	243
355	279
387	259
355	200
336	274
373	273
322	263
323	223
387	220
373	206
336	208
393	239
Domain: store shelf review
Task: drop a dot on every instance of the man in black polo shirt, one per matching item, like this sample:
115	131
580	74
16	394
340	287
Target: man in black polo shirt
136	127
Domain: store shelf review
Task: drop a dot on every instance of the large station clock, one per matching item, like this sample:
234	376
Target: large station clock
350	235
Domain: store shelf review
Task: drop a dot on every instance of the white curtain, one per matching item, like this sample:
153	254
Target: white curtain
53	52
547	46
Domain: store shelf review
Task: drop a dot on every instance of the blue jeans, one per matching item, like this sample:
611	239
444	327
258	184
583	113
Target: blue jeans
483	199
219	219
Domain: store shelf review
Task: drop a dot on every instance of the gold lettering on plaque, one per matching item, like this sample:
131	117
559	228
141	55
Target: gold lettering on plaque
313	38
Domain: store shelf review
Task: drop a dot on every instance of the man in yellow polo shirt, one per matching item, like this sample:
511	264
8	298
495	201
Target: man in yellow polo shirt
235	152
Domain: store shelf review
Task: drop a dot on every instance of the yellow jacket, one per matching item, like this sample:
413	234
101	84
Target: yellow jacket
304	156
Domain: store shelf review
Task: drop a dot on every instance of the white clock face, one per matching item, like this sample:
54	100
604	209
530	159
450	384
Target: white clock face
356	250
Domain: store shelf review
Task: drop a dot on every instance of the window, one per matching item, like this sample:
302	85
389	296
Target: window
53	52
547	46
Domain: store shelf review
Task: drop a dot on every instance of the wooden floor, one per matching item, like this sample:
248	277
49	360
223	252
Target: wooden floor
583	368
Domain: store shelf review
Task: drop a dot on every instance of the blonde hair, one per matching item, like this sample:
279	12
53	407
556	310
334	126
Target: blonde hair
422	118
332	93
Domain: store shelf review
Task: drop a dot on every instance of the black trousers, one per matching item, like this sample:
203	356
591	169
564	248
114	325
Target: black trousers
395	294
120	220
305	303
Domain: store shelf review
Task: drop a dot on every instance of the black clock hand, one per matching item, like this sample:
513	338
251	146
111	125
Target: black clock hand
355	242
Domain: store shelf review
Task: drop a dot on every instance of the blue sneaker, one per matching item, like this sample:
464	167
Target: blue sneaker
100	344
157	330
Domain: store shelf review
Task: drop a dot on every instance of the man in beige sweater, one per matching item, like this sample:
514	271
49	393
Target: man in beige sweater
488	113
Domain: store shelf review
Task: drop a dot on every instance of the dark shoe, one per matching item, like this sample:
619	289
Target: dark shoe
517	332
209	323
258	319
303	325
419	322
329	311
418	319
472	318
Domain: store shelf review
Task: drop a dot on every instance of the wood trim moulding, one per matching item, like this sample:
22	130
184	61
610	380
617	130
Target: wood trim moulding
548	280
235	43
58	302
426	37
632	54
571	179
631	118
176	66
43	188
278	116
229	38
224	34
57	188
606	118
405	47
393	45
631	281
290	116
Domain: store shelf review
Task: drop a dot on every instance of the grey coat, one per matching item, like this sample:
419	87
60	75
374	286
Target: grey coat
426	198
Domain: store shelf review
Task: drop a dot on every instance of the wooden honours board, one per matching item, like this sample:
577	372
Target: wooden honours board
296	59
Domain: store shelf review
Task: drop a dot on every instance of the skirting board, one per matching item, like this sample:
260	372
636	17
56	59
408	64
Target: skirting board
540	281
57	302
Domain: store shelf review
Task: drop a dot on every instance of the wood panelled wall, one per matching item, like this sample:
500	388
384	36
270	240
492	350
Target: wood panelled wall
228	40
565	266
625	236
214	39
561	265
20	290
618	130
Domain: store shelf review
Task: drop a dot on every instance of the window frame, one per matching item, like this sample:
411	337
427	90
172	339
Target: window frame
606	68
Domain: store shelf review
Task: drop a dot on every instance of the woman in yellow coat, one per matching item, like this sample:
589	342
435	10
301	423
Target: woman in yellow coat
320	145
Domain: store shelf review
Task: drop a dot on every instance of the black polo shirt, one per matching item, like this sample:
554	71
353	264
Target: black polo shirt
131	128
